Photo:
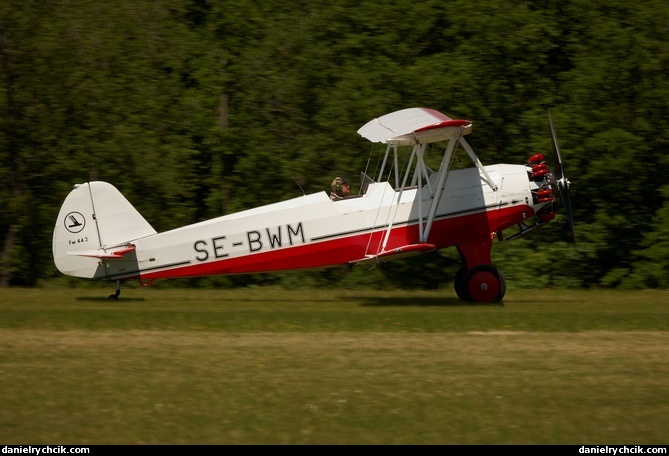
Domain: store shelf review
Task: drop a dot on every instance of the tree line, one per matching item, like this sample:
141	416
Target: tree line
198	108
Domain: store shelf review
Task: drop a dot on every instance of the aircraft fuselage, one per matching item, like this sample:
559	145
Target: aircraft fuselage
313	232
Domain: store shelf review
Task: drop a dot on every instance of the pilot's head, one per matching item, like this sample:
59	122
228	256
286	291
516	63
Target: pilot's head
338	186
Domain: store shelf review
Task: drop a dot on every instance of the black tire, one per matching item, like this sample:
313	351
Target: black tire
459	284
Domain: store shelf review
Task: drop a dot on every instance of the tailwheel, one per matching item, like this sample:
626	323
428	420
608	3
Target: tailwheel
114	297
483	283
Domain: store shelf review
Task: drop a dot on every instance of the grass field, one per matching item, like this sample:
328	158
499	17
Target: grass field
261	366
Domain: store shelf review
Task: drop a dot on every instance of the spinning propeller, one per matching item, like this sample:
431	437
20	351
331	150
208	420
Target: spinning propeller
560	182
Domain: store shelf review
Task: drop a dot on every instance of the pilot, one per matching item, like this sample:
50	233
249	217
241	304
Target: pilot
340	189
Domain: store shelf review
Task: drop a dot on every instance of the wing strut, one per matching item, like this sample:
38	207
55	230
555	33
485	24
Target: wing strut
418	127
478	163
386	236
444	167
421	173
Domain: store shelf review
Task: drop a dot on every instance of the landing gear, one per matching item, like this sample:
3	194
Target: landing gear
482	283
114	297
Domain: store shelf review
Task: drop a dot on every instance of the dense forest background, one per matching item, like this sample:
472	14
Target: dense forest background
198	108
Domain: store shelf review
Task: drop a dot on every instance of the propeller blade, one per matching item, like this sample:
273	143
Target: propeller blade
563	185
560	181
559	171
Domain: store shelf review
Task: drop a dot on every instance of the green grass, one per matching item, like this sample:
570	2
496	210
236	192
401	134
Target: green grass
259	366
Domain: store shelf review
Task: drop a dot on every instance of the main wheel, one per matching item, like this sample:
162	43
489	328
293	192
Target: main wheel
484	283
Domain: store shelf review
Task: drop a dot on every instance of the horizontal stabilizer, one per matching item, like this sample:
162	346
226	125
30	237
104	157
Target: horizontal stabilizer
114	253
398	253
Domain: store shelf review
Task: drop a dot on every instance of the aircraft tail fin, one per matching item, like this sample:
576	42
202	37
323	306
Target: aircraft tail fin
96	223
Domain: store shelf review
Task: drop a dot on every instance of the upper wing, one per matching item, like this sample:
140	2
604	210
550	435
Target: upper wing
414	126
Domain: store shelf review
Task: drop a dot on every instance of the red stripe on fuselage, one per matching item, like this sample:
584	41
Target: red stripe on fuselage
445	232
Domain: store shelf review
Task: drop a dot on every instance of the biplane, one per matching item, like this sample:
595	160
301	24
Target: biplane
410	205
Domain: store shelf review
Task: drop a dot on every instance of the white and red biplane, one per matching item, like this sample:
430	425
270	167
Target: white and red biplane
404	211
